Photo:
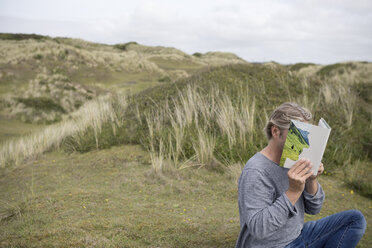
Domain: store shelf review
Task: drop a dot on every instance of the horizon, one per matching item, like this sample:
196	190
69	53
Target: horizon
154	45
320	32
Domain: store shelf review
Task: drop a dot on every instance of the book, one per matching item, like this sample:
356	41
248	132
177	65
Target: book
305	140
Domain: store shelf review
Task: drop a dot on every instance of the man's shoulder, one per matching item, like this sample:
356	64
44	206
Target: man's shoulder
257	162
256	170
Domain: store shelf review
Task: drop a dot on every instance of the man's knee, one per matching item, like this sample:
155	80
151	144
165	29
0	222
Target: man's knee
358	218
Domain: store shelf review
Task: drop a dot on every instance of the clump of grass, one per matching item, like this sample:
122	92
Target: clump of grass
9	210
299	66
338	68
204	148
234	171
198	55
357	175
157	158
124	46
364	90
48	98
41	103
88	121
10	36
166	79
338	94
192	125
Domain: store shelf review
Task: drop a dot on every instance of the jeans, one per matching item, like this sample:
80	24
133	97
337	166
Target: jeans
341	230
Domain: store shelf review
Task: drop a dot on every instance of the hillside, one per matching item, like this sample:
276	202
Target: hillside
95	139
82	70
117	66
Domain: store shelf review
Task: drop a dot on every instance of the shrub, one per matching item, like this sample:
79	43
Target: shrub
299	66
41	103
198	55
38	56
9	36
164	79
338	68
124	46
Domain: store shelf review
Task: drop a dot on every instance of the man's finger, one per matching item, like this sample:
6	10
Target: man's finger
301	166
298	163
309	174
307	169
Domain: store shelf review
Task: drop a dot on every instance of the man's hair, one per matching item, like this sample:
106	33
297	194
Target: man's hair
282	116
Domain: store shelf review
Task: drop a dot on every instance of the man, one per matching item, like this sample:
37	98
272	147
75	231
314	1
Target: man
273	199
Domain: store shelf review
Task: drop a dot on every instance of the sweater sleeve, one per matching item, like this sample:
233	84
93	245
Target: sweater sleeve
313	203
262	213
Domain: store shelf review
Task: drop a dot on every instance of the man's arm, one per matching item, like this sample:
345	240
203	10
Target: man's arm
311	186
261	211
313	194
313	197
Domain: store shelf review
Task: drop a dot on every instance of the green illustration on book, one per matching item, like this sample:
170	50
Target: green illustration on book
296	141
305	140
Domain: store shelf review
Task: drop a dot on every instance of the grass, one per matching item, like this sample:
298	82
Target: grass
113	198
212	118
123	82
95	118
299	66
10	36
41	103
93	62
338	68
184	140
11	128
169	64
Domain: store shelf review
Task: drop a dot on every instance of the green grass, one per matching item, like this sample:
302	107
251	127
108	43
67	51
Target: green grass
338	68
11	36
10	128
169	64
112	198
41	103
299	66
115	81
12	79
124	46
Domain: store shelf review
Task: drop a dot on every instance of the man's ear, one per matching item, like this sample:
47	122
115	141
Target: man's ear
275	131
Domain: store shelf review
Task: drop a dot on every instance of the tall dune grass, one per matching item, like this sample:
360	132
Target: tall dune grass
213	119
194	122
92	115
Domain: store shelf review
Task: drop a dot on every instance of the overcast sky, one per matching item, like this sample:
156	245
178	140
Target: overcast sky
319	31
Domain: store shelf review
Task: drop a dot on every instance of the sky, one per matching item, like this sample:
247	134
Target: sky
285	31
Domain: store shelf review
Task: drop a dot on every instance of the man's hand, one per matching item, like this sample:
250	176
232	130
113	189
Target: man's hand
297	177
320	171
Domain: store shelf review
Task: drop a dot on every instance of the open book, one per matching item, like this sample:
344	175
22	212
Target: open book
305	140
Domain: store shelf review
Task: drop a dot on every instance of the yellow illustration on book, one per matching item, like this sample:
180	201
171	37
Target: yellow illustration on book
297	140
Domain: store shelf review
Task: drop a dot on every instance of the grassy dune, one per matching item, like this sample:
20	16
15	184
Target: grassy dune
93	63
113	198
152	159
10	128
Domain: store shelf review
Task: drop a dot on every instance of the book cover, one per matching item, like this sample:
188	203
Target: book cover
305	140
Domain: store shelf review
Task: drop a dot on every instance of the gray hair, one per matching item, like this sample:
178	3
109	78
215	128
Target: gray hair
282	116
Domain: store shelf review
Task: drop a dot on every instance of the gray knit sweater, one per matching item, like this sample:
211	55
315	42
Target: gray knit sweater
267	217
